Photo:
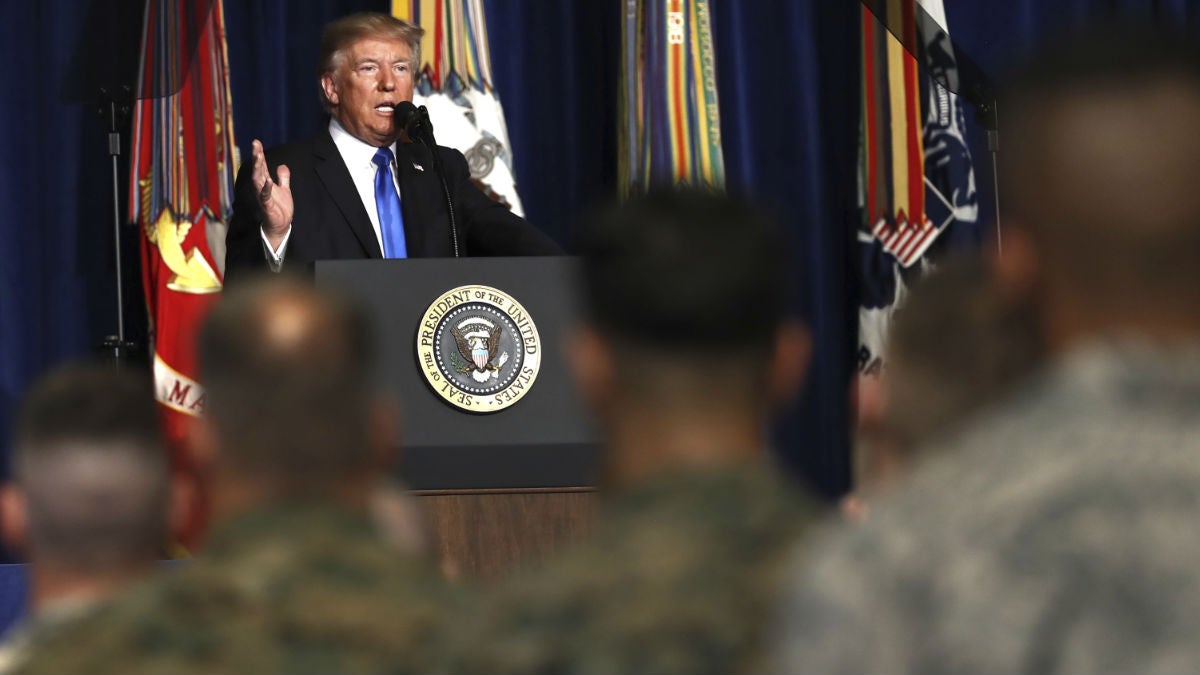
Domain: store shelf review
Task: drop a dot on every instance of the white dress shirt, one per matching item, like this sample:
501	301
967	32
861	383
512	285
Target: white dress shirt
359	160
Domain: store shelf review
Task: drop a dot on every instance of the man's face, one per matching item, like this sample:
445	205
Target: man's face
372	77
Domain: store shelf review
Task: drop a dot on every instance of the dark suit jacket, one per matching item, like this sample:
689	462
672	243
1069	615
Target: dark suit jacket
330	221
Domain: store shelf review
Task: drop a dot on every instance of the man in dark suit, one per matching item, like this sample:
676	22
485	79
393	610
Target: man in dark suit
360	188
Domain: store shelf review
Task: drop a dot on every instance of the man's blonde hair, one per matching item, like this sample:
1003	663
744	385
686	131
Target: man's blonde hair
340	34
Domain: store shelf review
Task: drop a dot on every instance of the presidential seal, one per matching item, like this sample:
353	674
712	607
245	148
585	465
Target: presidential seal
478	349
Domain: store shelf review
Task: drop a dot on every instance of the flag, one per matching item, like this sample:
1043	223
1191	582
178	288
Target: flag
670	132
454	81
916	177
181	189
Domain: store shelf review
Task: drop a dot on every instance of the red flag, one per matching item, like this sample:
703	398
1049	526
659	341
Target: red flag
181	188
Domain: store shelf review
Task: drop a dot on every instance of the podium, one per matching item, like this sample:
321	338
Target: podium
499	487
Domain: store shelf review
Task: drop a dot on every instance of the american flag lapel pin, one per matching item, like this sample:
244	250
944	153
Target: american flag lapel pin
418	167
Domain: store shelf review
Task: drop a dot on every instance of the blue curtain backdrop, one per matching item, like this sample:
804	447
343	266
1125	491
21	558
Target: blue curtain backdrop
788	79
57	280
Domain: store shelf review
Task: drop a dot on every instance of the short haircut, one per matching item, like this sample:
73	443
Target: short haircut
287	372
689	288
1114	209
956	346
685	270
338	35
93	468
1103	55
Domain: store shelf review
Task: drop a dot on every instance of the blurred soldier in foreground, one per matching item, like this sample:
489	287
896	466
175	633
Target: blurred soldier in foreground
958	345
1057	532
294	578
89	504
684	354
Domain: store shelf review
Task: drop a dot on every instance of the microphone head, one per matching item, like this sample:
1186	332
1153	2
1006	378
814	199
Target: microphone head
405	113
423	122
415	121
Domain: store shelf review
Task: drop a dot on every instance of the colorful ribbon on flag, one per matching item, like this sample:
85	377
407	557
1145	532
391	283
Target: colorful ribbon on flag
455	83
916	173
181	188
671	122
893	152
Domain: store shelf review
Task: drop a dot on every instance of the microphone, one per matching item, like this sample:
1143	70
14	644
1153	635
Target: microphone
415	122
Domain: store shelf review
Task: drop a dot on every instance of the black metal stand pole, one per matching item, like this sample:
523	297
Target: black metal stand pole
116	109
423	128
990	116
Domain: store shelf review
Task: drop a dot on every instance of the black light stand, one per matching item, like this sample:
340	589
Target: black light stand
989	116
116	107
104	75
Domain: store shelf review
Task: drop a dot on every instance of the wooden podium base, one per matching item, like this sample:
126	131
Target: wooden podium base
483	534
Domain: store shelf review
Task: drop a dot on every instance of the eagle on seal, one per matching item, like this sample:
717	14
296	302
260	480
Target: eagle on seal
478	341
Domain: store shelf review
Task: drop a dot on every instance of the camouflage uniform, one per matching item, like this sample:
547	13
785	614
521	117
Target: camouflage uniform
677	580
14	649
288	589
1057	533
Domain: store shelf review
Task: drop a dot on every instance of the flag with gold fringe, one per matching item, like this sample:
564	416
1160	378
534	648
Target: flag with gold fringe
670	131
181	188
455	83
916	176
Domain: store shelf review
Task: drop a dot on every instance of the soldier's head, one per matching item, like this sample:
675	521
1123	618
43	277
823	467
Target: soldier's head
685	303
291	406
90	491
955	346
1100	143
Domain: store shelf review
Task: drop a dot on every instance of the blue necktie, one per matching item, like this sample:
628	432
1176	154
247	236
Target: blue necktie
387	204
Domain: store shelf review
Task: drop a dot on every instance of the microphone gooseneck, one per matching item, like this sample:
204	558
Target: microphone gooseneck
416	124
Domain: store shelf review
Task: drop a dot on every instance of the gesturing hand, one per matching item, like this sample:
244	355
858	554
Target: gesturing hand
274	198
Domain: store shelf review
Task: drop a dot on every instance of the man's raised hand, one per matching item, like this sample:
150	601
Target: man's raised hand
274	198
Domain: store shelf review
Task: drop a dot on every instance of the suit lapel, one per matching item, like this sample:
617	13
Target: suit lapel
332	171
419	190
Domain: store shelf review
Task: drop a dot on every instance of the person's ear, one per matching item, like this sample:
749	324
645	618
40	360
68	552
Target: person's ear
1016	266
202	445
868	400
789	362
14	518
330	88
385	427
183	505
592	365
